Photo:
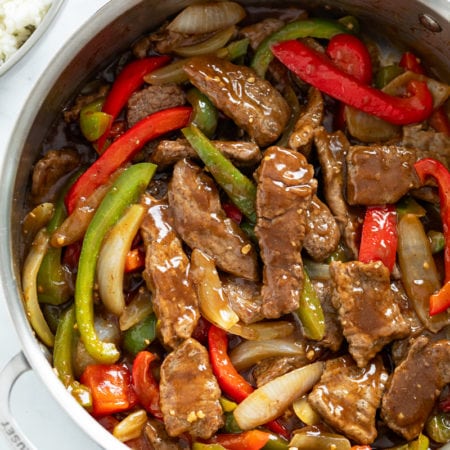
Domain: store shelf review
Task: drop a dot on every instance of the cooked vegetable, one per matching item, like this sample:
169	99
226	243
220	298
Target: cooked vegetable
318	28
123	150
140	336
438	427
431	168
111	260
131	427
310	311
247	440
110	385
136	310
270	400
240	189
319	71
93	121
129	79
207	17
30	271
126	189
316	440
379	236
205	114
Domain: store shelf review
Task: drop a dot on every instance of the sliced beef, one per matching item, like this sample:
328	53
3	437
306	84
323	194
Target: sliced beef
310	119
333	331
271	368
380	174
49	170
369	316
331	151
286	186
241	153
257	32
152	99
250	101
415	385
428	142
348	396
157	437
244	297
322	231
189	392
202	223
167	275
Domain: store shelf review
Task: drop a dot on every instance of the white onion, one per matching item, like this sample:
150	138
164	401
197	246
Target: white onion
213	303
131	427
249	353
211	45
206	17
319	441
29	283
36	219
111	260
270	400
138	308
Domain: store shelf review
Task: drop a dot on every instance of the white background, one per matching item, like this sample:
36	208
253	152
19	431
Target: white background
41	418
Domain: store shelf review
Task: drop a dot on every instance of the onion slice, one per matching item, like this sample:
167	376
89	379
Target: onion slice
213	303
111	260
270	400
249	353
211	45
206	17
29	283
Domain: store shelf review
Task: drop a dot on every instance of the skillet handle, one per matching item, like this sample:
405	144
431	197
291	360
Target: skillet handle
16	366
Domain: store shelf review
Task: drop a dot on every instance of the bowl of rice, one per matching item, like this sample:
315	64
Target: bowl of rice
22	22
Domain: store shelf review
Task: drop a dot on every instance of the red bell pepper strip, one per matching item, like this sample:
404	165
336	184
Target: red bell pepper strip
318	70
247	440
379	236
145	385
350	54
135	260
425	168
409	61
124	148
129	80
230	380
111	388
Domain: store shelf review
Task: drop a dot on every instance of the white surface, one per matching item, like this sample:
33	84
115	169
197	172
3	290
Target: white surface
41	418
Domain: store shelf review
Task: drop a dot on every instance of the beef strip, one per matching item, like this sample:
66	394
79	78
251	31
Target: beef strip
322	231
240	153
202	223
331	150
49	170
152	99
284	193
244	297
189	392
380	174
348	396
415	385
310	118
333	331
257	32
250	101
167	275
369	316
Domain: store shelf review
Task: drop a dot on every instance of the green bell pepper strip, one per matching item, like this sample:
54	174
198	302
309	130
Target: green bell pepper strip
310	311
318	70
52	278
140	336
204	112
318	28
62	358
125	190
122	150
438	427
241	191
93	121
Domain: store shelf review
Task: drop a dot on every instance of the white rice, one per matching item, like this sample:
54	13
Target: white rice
18	20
